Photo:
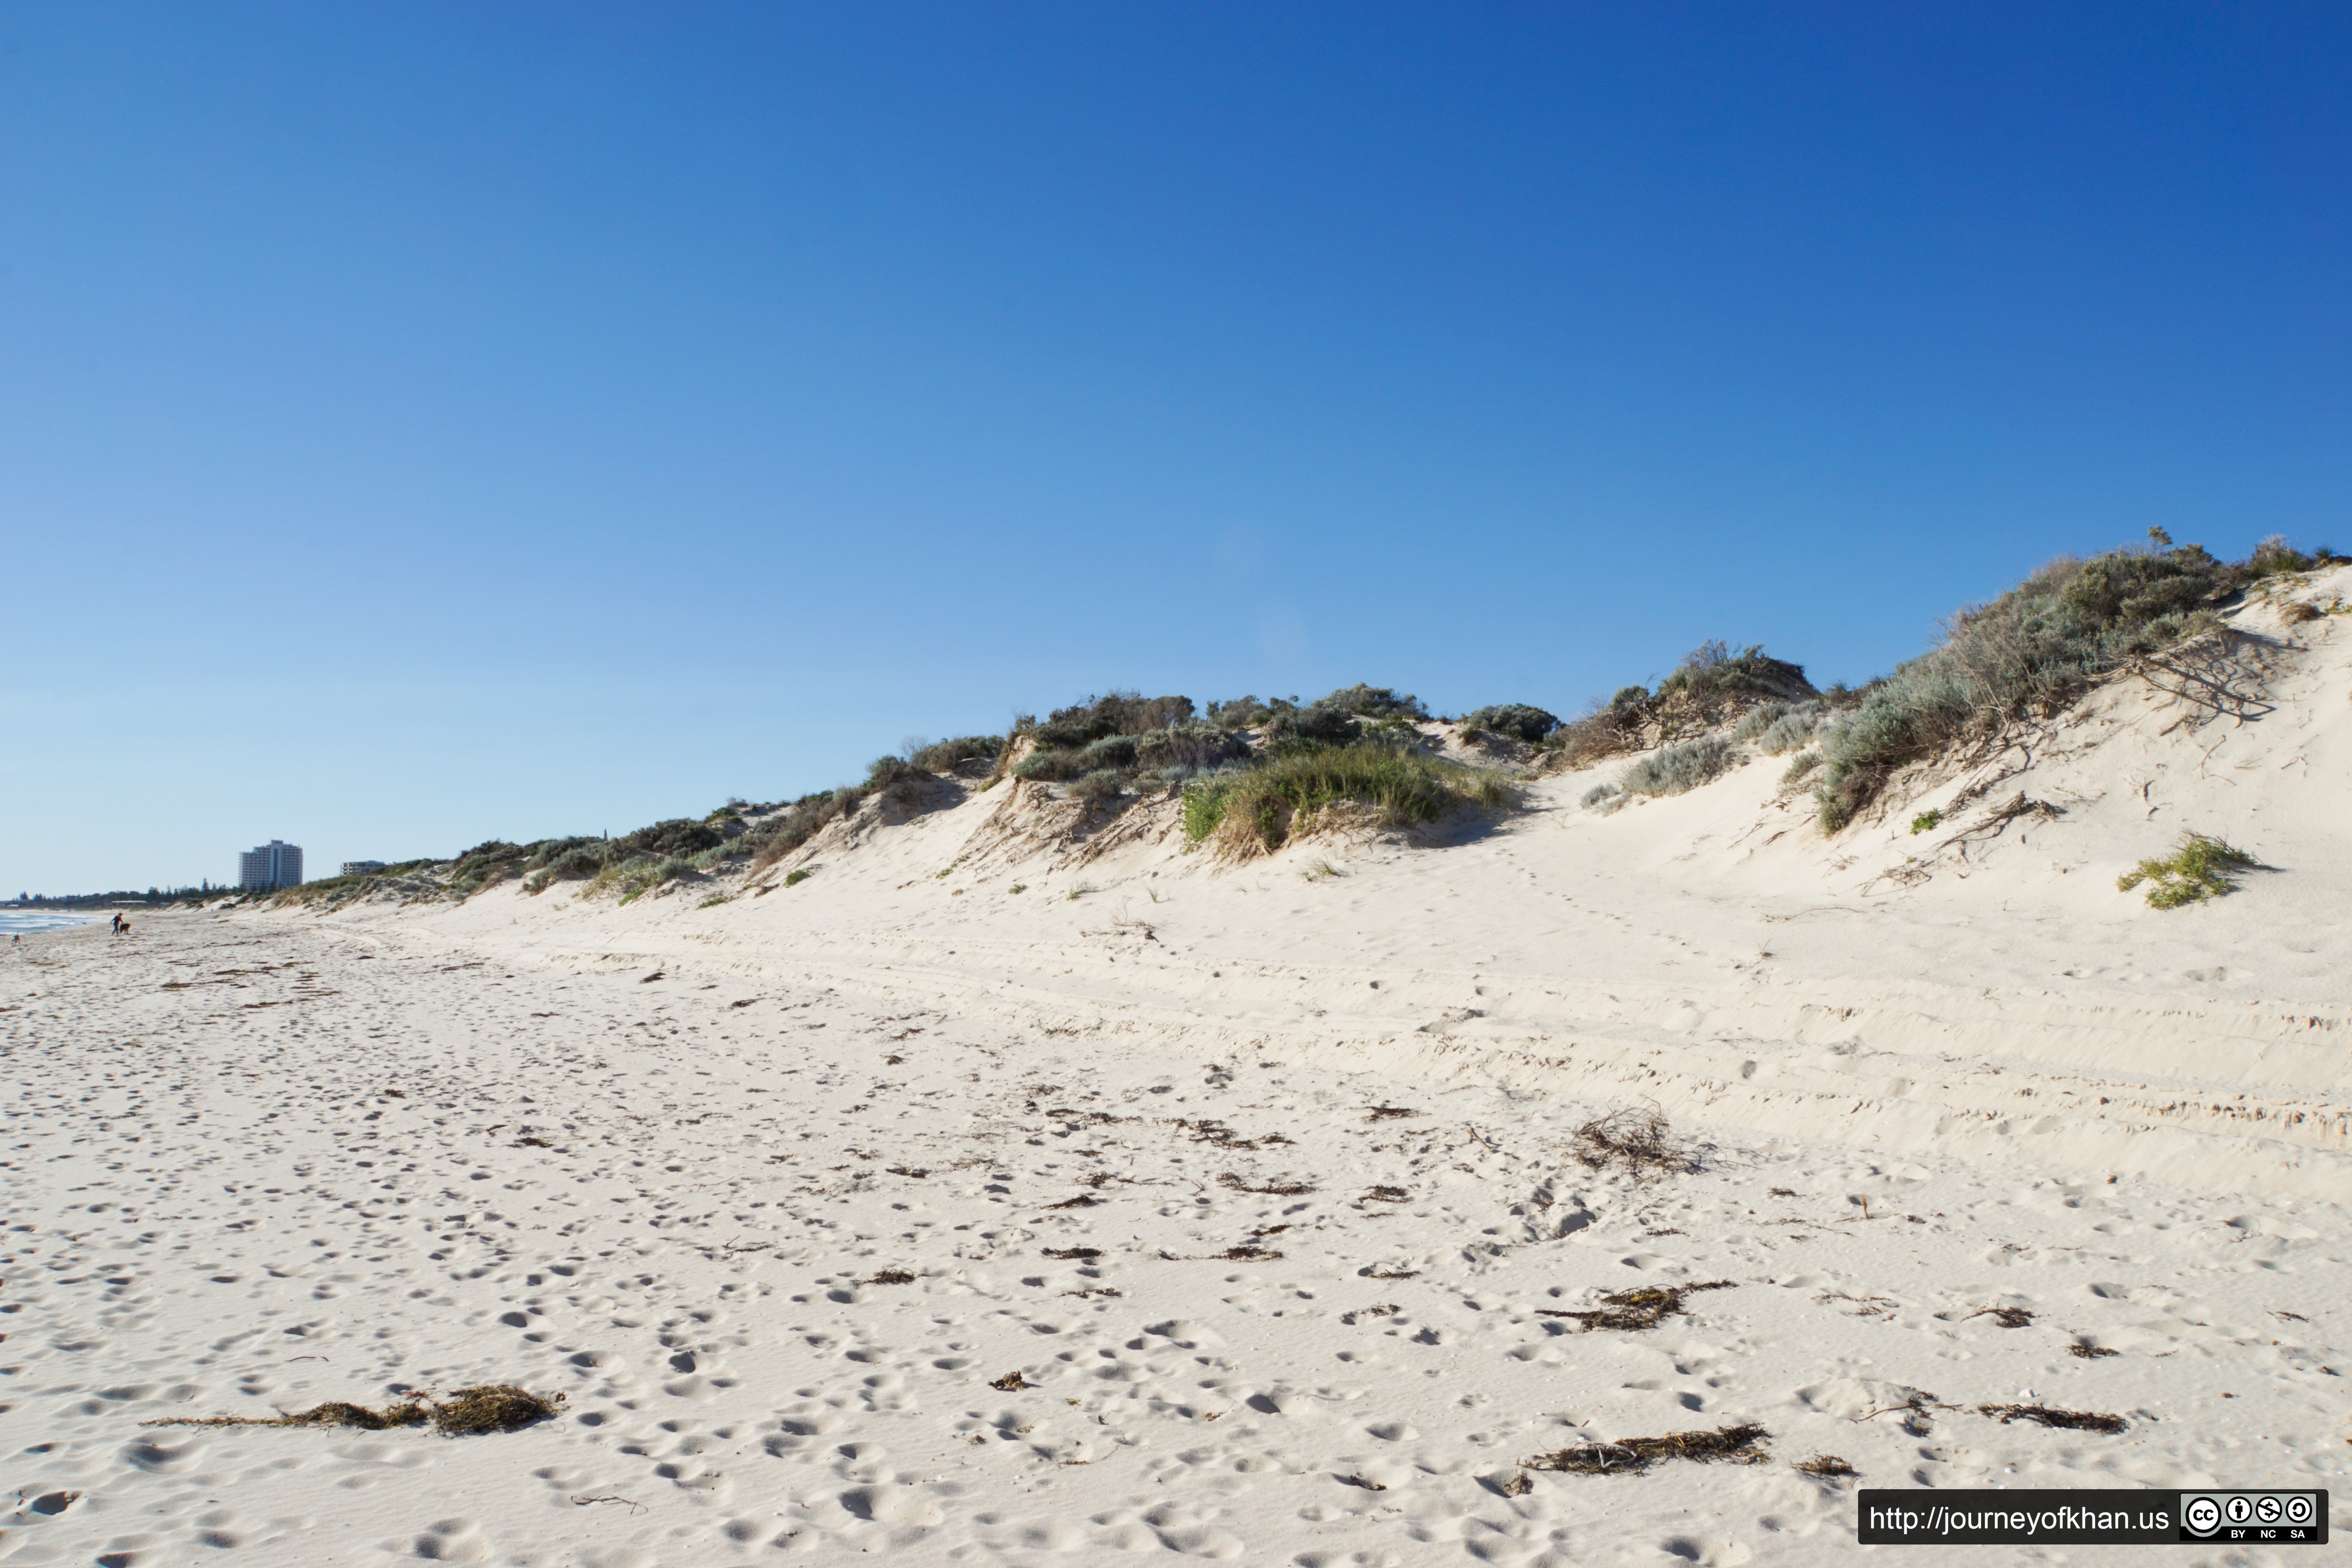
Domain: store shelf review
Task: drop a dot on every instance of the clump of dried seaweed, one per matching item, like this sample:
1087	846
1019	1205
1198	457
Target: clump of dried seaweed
1633	1138
1208	1129
492	1407
488	1407
1638	1309
2007	1317
1742	1445
2064	1420
1271	1190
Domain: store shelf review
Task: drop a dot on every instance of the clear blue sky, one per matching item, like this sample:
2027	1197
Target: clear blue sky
419	423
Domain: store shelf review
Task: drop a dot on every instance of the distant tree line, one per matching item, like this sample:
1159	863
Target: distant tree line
196	893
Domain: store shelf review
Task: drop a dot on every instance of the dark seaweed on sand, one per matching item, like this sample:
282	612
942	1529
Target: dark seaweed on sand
1271	1190
1742	1445
2065	1420
489	1407
1637	1310
2007	1317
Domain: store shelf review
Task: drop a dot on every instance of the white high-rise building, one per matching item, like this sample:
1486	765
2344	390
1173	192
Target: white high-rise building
275	864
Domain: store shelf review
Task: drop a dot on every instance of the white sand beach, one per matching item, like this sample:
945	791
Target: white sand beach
1233	1212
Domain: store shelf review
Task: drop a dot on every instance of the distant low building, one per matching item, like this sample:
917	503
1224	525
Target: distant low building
275	864
361	867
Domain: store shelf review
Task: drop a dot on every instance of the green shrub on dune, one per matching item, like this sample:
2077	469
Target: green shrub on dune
1256	812
941	756
1519	721
1675	769
2198	870
1711	686
2035	649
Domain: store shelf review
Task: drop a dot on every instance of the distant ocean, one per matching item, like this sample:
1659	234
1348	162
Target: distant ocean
13	920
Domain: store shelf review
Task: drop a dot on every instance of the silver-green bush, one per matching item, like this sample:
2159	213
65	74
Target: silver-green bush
1760	718
1679	768
1805	762
2037	646
1788	731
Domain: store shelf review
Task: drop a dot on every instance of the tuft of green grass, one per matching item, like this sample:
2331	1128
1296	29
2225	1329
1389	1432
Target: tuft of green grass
1254	813
1019	887
1204	807
795	879
2199	869
1925	821
716	898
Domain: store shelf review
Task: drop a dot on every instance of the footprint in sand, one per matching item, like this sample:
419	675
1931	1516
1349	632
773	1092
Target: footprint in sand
453	1540
889	1503
161	1455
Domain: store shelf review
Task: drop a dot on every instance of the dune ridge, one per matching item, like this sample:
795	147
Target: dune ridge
2007	991
1243	1210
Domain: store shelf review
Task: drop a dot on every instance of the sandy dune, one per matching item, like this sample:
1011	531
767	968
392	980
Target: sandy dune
1228	1212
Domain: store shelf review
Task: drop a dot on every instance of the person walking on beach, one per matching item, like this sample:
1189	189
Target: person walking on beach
118	925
